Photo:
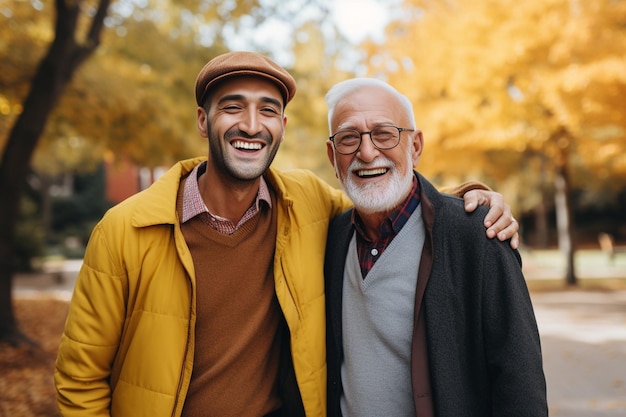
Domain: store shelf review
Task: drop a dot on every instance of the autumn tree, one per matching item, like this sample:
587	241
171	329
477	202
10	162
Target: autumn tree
316	70
526	95
69	49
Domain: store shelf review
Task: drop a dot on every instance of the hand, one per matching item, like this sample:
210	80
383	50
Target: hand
499	221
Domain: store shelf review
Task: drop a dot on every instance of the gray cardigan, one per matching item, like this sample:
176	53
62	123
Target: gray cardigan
476	349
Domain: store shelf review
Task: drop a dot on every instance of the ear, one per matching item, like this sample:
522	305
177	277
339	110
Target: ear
282	138
201	120
418	146
330	152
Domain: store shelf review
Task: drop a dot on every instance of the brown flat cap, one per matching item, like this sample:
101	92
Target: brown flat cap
243	63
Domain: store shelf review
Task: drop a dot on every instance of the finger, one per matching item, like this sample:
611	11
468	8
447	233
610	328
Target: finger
503	224
515	241
470	206
472	200
507	231
499	215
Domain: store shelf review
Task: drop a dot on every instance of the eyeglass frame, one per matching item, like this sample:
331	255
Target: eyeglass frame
400	130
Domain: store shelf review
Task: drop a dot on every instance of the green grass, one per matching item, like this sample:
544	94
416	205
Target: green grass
545	270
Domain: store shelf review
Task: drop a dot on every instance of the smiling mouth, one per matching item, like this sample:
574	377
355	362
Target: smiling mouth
247	146
370	173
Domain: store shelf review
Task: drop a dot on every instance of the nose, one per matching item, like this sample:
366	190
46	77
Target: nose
250	122
367	151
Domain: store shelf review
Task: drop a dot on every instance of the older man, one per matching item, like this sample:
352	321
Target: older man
425	316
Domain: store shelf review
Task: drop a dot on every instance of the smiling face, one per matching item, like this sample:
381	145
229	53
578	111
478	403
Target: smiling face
244	122
376	180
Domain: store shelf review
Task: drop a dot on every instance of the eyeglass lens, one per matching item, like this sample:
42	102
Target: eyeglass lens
383	137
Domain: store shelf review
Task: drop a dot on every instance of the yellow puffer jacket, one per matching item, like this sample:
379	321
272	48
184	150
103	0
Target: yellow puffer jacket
128	344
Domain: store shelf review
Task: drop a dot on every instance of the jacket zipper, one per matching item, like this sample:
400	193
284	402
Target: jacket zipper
182	369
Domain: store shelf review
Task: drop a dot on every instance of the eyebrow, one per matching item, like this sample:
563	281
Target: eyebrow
241	97
374	123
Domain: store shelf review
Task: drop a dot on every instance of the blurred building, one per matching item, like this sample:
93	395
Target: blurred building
123	178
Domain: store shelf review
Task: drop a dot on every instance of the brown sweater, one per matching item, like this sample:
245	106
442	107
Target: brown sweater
237	351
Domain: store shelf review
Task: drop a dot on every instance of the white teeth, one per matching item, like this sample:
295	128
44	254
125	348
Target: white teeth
239	144
371	172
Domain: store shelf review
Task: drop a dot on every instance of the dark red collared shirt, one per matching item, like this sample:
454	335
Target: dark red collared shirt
369	251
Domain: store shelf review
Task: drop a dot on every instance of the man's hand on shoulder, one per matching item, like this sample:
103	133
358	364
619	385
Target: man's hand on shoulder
499	221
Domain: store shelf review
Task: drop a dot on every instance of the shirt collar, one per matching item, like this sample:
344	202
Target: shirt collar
193	204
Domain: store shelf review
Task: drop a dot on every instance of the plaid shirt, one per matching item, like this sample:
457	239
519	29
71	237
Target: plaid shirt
193	205
369	251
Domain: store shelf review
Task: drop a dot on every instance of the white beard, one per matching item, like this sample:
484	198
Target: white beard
382	196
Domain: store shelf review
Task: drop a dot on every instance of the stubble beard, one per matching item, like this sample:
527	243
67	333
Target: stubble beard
231	165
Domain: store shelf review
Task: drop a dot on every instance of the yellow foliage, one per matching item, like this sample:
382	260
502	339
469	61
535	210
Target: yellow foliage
307	126
493	76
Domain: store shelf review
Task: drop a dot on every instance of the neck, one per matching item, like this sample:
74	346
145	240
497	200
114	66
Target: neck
226	197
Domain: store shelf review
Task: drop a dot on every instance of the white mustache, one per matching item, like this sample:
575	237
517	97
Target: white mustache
379	163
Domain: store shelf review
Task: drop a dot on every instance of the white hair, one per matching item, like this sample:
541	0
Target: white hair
343	88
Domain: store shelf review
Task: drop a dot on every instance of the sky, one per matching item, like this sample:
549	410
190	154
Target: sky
357	19
360	19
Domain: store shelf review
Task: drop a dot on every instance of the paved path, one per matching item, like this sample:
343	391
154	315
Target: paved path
583	337
58	285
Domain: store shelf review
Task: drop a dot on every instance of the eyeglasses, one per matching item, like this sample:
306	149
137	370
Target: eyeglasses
383	137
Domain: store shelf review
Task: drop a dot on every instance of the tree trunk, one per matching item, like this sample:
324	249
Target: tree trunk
564	211
53	75
46	205
541	224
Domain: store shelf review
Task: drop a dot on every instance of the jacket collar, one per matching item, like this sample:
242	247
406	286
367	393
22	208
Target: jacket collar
275	181
158	202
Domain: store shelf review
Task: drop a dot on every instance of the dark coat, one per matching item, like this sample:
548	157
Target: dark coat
475	349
